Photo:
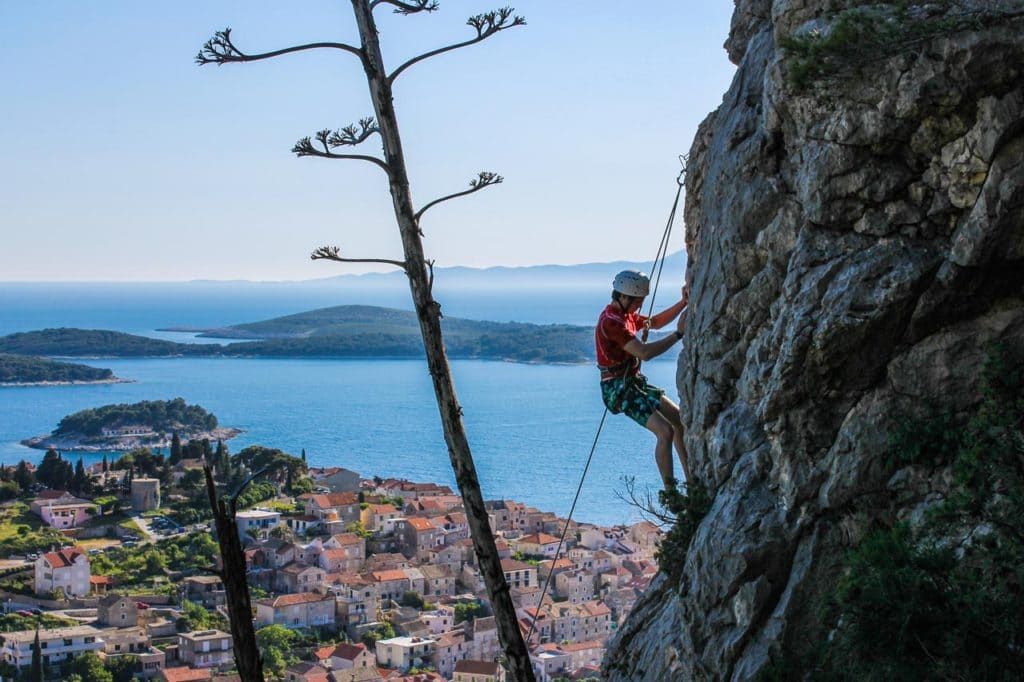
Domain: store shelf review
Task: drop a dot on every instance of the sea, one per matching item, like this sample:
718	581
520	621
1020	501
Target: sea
530	427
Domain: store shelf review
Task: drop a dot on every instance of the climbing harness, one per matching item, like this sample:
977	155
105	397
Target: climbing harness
659	262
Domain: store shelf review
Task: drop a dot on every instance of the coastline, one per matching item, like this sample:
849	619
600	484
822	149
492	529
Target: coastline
21	384
75	443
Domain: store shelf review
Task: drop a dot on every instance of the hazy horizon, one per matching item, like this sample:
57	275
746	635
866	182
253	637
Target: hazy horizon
128	162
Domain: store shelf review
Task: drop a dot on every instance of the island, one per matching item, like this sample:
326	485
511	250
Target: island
20	370
145	424
338	332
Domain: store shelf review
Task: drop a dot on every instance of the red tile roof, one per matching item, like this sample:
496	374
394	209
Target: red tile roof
386	576
334	500
347	539
477	667
293	599
64	557
183	674
421	524
513	565
349	652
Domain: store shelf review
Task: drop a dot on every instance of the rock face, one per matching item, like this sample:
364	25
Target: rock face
854	249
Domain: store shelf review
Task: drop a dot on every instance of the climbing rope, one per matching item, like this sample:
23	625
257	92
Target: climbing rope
659	262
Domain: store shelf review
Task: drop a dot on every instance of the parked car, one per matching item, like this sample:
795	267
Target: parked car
37	611
142	605
23	612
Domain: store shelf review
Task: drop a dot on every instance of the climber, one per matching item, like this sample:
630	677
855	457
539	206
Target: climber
619	354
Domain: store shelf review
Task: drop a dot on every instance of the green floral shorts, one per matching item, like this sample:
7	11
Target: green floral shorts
632	396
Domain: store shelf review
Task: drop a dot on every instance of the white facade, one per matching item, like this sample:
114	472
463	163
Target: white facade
405	652
67	569
257	522
56	645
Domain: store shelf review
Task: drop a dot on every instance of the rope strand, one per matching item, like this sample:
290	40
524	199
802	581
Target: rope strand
659	261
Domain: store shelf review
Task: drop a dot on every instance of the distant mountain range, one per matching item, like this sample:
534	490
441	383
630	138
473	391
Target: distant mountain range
581	276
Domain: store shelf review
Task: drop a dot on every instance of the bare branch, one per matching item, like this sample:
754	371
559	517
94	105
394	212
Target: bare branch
220	50
486	25
334	253
304	147
644	502
350	136
483	179
412	7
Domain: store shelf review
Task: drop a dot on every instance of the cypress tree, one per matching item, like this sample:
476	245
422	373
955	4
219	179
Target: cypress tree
36	671
23	477
106	466
175	449
80	482
303	455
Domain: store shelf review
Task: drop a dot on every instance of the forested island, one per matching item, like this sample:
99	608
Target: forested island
149	423
20	370
341	331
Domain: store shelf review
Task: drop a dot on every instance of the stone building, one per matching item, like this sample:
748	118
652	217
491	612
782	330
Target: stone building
145	494
117	611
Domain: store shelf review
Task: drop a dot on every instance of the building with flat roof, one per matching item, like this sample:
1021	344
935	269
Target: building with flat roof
205	649
405	652
57	645
257	523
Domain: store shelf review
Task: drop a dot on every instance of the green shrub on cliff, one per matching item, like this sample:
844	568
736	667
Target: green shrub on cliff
945	601
859	36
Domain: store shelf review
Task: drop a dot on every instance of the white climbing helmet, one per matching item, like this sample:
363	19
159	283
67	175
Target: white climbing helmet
632	283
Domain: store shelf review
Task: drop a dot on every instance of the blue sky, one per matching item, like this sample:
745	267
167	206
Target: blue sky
123	160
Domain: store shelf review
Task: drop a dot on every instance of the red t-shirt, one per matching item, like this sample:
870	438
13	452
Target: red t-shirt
614	330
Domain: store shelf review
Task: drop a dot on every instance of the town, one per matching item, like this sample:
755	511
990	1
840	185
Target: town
351	579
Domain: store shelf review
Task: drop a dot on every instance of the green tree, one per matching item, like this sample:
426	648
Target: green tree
54	472
175	448
123	668
106	465
24	477
80	481
468	611
384	630
9	490
90	668
35	673
411	598
359	529
276	643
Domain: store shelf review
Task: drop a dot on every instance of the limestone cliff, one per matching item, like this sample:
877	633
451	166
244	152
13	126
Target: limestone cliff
855	242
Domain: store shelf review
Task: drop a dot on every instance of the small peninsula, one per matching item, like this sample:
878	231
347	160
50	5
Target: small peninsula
20	370
150	423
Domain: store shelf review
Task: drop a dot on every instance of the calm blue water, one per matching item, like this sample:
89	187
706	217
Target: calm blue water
530	426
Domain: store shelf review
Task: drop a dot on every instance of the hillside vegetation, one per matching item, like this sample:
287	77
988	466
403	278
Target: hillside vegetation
342	331
70	342
161	415
21	369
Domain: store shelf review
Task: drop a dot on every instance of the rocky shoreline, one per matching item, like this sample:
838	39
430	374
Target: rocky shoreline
114	380
84	443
